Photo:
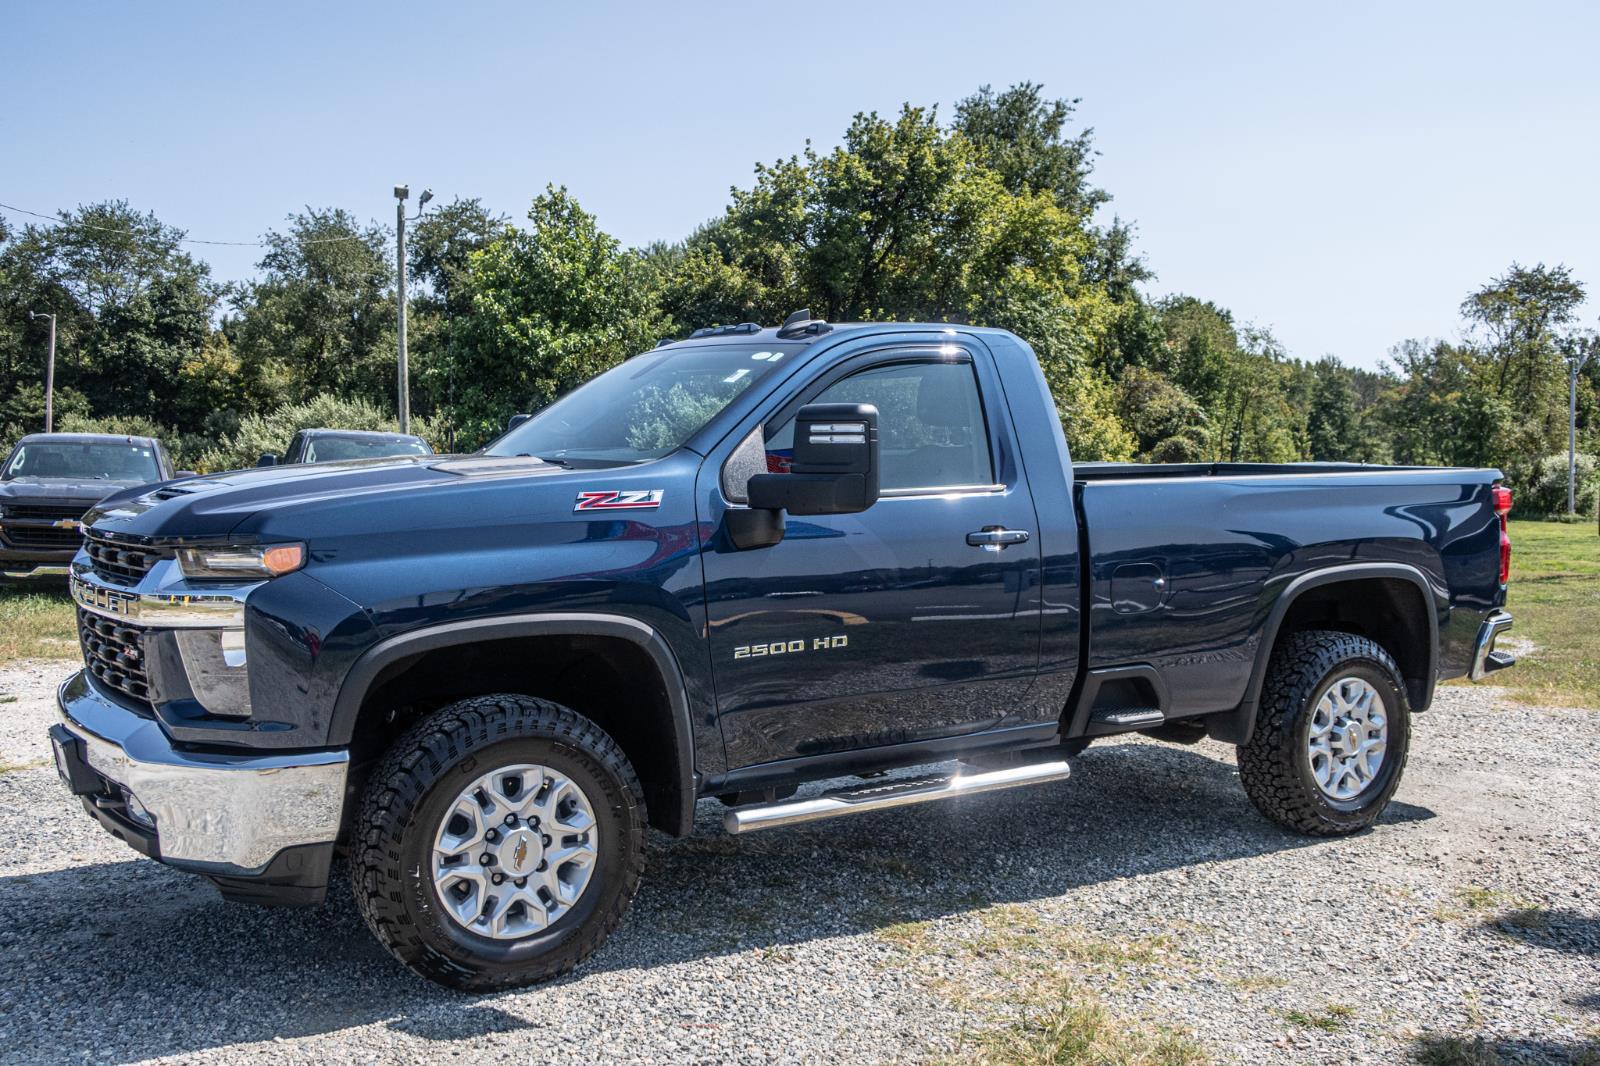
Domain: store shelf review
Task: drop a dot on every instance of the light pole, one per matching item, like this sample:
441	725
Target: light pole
1577	354
49	374
403	391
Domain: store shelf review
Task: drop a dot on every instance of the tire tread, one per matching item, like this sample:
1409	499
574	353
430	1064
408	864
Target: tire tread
398	784
1267	763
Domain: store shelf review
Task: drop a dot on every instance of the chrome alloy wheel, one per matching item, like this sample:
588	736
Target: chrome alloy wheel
515	851
1348	737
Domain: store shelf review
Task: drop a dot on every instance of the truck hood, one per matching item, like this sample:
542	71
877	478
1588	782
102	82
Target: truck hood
62	490
248	501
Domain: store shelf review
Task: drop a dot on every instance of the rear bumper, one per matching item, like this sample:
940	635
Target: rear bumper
1485	659
249	822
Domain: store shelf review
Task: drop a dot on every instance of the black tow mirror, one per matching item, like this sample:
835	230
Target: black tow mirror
835	466
515	421
267	459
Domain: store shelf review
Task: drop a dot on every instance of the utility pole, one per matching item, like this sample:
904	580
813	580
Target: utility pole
1577	355
49	375
402	396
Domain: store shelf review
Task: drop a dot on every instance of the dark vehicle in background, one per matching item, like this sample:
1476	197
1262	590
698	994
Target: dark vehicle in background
727	567
340	445
50	479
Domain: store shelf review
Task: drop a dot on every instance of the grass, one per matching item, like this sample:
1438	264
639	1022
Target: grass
1330	1019
1080	1031
36	625
1555	596
1022	982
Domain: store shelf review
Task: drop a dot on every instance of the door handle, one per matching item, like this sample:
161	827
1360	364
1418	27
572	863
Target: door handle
995	538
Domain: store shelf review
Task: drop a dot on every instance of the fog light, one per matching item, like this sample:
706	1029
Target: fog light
136	810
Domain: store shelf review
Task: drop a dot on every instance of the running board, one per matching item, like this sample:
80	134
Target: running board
899	793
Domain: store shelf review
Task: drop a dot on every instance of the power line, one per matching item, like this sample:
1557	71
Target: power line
58	221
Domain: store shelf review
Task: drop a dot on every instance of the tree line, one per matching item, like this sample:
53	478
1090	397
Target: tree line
991	218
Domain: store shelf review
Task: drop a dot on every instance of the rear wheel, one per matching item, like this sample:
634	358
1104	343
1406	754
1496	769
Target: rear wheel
498	843
1331	735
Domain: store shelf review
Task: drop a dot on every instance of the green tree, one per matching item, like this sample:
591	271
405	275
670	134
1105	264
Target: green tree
1169	425
1022	137
1443	408
1518	316
131	306
1333	427
322	317
553	304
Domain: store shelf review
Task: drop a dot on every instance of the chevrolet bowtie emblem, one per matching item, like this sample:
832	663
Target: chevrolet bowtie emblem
520	856
66	523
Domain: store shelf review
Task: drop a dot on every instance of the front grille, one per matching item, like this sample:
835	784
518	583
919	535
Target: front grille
25	526
114	653
47	538
116	561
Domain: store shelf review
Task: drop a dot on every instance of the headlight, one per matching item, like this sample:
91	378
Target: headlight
233	562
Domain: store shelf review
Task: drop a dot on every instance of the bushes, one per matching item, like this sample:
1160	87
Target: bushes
1540	489
271	432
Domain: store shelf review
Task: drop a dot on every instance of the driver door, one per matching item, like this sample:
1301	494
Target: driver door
890	626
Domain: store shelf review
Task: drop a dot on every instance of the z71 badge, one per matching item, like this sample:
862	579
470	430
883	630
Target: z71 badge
611	500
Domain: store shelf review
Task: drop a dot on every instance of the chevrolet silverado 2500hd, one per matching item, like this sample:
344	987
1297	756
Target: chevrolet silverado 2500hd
724	568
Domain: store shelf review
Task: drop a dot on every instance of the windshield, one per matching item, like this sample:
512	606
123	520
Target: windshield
83	462
646	407
332	449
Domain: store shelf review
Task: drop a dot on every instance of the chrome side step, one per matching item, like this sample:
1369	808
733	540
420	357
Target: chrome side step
900	793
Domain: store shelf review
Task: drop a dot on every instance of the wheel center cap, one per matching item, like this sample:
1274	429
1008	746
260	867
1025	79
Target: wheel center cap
520	852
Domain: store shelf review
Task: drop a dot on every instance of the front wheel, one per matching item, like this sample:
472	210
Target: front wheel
498	843
1331	735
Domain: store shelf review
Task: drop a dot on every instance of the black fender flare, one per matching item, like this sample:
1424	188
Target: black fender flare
1236	726
367	669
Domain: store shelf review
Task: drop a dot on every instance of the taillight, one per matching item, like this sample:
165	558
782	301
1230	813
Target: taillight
1502	507
1502	500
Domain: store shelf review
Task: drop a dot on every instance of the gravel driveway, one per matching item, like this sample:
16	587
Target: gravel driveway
1146	882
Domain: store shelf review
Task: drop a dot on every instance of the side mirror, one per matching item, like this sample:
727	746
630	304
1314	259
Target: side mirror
267	459
835	466
515	421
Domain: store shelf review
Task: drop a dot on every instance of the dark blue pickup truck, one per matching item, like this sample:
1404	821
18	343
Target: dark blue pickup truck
727	567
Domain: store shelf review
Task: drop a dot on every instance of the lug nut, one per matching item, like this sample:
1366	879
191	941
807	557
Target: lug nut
521	882
485	859
491	835
546	840
498	878
543	866
511	819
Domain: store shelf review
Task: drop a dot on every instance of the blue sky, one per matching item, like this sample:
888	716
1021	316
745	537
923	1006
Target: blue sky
1343	174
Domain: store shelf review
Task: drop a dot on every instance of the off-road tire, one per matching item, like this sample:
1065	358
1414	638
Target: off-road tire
1275	766
398	817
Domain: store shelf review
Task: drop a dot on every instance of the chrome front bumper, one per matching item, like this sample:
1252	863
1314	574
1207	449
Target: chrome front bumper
1485	660
228	814
43	570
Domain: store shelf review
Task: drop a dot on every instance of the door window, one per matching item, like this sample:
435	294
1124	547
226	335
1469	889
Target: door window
931	430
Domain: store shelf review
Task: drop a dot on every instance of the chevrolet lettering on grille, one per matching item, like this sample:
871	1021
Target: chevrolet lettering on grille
106	601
